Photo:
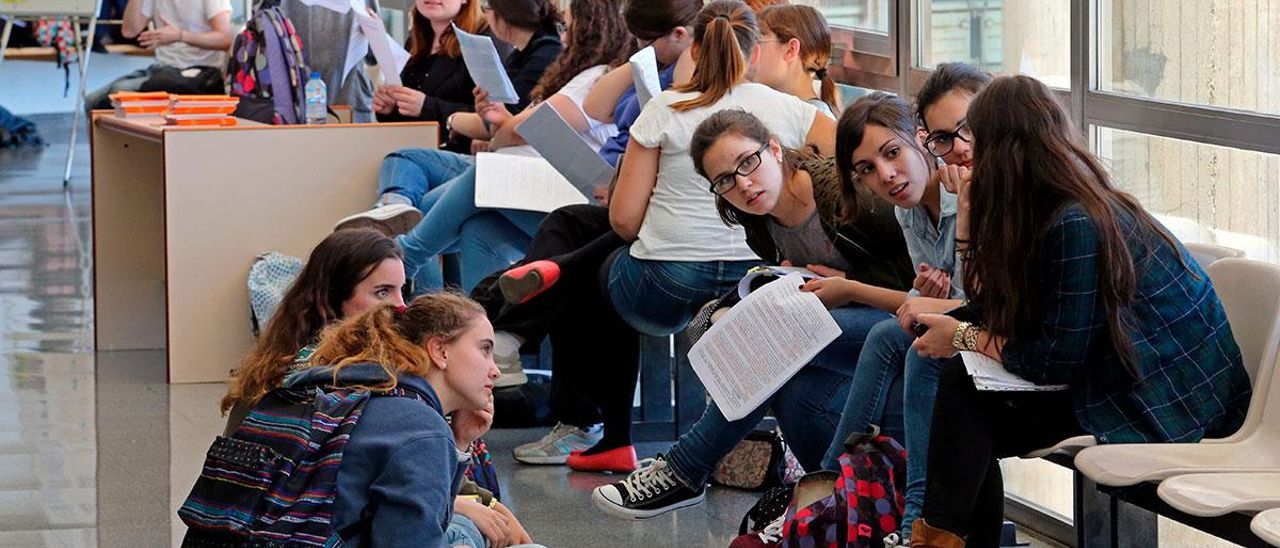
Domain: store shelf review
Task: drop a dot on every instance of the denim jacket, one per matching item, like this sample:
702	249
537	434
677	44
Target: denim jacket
934	245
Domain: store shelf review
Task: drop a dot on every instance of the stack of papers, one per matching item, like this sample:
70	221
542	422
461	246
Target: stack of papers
990	375
149	106
201	110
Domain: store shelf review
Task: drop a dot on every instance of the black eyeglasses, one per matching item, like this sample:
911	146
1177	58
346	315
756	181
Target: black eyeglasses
939	144
746	167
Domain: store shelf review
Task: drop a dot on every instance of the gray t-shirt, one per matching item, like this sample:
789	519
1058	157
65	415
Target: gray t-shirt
325	36
807	243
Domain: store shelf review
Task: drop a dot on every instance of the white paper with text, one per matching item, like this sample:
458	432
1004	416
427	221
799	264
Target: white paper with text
485	66
990	375
529	183
760	344
391	56
644	71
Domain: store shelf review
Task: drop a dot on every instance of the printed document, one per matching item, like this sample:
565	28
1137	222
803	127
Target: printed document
561	145
644	70
760	344
485	66
512	181
391	56
990	375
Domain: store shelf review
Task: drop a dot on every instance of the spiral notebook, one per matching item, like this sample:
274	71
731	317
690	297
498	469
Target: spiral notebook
990	376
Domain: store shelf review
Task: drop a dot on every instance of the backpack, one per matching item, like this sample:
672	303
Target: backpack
269	279
273	482
267	69
856	507
760	461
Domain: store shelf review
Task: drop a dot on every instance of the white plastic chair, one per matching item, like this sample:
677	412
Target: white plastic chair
1205	254
1250	291
1211	495
1267	526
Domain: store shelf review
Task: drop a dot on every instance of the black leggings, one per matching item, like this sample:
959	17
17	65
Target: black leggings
595	354
971	431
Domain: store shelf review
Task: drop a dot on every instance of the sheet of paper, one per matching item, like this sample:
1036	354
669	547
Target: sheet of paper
564	148
644	70
760	344
485	66
390	55
990	375
522	182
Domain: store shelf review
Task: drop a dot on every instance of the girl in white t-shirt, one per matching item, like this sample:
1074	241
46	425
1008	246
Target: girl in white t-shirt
597	38
681	255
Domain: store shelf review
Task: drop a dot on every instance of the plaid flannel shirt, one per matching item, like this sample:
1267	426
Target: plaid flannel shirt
1191	381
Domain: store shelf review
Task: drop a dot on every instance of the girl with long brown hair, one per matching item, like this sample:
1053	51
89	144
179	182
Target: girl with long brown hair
795	49
681	255
1070	282
435	81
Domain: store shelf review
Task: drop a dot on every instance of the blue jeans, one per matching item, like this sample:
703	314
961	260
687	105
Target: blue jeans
441	227
463	532
807	407
417	174
887	354
660	297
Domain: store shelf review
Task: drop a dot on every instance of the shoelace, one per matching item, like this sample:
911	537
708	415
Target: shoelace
893	540
773	531
648	480
560	430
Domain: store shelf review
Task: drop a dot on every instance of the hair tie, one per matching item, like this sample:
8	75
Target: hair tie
724	16
820	74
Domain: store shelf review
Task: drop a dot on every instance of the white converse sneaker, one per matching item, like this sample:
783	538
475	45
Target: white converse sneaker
397	218
555	447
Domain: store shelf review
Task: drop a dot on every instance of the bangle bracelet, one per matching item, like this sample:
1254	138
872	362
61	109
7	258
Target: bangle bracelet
971	337
958	338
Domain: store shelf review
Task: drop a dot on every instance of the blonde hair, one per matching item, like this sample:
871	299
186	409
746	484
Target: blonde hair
725	33
396	338
807	26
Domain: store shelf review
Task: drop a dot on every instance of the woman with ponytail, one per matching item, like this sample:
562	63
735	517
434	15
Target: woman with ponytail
681	254
795	48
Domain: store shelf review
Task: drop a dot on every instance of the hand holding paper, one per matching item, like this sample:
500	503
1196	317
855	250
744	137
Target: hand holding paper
760	344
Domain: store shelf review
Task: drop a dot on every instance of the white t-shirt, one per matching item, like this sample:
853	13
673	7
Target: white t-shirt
681	223
576	89
190	16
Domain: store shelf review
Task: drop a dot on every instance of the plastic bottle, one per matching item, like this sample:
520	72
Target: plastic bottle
317	100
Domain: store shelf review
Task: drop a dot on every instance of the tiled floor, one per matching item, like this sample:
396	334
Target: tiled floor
98	451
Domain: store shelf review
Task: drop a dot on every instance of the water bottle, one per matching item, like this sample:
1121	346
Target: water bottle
317	100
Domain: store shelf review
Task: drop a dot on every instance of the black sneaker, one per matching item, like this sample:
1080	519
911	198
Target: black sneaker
652	490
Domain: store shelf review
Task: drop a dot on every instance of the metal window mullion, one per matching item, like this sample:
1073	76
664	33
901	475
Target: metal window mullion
901	24
1214	126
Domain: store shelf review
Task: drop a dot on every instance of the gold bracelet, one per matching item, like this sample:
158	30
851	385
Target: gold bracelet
971	337
958	338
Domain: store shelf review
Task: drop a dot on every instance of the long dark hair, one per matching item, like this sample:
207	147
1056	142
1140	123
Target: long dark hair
725	32
652	19
533	15
737	122
597	35
878	109
469	19
1030	164
946	78
336	265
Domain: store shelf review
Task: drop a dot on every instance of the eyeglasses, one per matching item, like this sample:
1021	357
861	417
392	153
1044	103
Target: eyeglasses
746	167
939	144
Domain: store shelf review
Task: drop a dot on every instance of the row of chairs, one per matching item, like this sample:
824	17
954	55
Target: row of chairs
1217	477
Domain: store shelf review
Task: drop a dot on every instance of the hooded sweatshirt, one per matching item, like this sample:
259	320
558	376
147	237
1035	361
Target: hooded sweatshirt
400	471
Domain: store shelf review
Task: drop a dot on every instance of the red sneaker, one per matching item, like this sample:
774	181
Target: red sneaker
528	281
621	460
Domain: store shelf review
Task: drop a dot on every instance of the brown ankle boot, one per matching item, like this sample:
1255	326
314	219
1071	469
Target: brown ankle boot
924	535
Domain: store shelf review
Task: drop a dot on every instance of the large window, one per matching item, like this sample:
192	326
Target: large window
870	15
1000	35
1222	53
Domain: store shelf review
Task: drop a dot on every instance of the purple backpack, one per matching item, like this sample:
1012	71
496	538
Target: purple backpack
267	69
856	507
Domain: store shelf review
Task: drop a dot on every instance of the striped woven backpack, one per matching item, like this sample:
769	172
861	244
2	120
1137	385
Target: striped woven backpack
273	482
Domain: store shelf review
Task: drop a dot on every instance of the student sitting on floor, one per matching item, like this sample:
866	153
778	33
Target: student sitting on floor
791	206
1070	282
347	273
403	466
190	39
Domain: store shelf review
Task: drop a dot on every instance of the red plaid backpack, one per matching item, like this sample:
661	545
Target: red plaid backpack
857	507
